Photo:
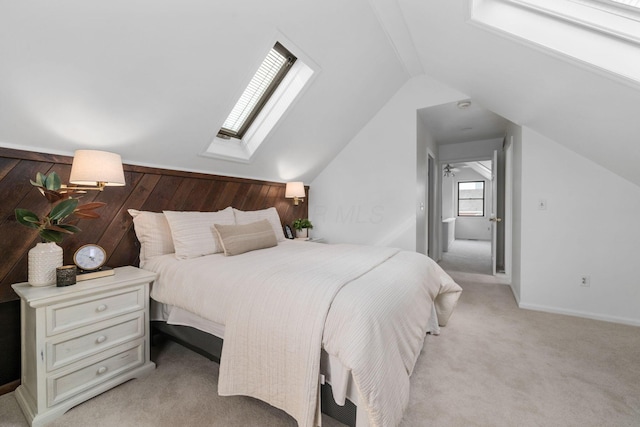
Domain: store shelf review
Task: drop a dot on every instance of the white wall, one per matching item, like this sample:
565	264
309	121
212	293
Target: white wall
588	228
514	138
473	150
367	194
448	200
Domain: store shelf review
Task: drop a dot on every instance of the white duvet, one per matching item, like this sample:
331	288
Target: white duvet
367	306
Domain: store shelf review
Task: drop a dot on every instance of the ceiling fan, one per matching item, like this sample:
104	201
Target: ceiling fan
449	170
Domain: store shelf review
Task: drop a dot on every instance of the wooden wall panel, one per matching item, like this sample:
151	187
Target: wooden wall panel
149	189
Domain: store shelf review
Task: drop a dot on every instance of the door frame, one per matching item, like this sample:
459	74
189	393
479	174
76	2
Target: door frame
508	202
432	238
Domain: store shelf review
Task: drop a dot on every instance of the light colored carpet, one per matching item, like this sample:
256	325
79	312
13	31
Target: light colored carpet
471	256
493	365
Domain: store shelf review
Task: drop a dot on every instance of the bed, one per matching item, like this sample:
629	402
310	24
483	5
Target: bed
293	314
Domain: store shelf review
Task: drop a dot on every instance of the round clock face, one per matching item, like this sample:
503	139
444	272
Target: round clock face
90	257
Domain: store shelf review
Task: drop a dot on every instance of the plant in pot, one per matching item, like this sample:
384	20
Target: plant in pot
53	227
302	227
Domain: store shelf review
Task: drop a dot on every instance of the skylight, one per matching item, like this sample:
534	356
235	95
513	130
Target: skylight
632	3
625	8
279	82
601	34
269	75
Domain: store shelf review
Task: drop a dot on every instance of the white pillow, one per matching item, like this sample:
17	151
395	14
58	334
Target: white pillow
193	233
153	233
270	214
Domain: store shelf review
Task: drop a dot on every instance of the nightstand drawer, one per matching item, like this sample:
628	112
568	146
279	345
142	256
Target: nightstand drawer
72	347
70	383
75	314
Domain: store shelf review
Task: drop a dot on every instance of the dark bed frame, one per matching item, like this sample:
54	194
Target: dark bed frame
210	347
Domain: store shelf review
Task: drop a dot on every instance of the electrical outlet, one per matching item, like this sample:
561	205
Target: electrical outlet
585	281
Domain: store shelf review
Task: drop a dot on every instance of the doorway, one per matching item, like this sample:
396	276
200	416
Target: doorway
468	209
463	132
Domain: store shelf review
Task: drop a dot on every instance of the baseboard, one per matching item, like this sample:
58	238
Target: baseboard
515	295
9	387
583	314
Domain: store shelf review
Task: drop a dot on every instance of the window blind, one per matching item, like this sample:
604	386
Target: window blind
258	91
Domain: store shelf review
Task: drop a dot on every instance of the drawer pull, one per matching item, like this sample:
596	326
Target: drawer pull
101	307
102	370
101	339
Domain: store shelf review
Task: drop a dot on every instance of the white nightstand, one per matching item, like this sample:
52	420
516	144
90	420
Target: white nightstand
311	239
81	340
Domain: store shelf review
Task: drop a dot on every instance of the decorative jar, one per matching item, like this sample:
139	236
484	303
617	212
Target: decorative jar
44	258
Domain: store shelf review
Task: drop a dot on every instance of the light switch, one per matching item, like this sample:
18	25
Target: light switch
542	204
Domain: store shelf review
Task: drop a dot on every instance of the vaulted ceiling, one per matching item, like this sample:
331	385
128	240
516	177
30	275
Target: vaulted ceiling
154	81
587	109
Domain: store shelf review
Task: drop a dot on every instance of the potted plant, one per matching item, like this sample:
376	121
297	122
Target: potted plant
302	227
53	227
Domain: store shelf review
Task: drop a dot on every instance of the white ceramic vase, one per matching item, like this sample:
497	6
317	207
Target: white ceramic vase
302	234
44	258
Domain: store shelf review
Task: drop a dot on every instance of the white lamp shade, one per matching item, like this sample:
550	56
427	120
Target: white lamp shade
92	166
294	189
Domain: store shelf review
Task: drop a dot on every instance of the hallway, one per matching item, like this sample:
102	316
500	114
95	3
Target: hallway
468	256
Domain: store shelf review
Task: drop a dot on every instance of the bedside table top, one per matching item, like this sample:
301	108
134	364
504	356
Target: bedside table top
310	239
124	276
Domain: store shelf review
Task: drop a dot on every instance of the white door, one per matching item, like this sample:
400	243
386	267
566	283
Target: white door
494	210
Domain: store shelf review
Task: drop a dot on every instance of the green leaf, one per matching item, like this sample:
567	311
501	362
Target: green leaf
40	179
28	218
63	209
53	182
51	235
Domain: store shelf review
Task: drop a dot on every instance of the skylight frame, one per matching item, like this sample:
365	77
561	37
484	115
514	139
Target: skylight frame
248	95
605	16
579	31
292	88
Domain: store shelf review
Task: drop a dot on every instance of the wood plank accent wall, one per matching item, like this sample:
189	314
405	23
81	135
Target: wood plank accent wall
147	189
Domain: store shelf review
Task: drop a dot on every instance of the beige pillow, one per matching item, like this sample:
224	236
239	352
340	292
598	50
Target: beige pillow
238	239
270	214
192	232
153	233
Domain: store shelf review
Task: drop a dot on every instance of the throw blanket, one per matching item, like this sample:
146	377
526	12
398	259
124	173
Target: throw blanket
381	339
273	333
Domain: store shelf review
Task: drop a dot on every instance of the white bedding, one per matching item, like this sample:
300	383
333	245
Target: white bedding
332	370
375	325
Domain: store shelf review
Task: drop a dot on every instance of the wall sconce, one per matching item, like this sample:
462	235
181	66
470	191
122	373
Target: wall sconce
94	170
295	191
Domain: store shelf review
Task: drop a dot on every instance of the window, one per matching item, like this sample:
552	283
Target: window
281	97
266	80
471	198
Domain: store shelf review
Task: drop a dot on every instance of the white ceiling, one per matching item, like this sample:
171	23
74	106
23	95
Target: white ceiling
153	81
450	124
588	110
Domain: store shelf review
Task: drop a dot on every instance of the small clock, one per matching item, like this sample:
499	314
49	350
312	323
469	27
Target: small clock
90	257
